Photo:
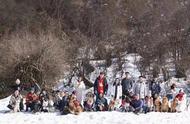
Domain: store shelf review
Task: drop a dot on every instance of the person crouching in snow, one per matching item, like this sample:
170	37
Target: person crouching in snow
148	104
89	104
125	104
32	100
15	100
80	89
136	104
181	96
101	103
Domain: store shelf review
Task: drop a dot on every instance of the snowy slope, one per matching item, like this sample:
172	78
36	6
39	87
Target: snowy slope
91	118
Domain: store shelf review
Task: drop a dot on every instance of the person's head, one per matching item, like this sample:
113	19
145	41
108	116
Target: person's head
44	91
32	90
127	74
173	86
117	81
141	78
101	95
136	97
102	74
181	91
16	93
17	81
62	93
80	78
147	98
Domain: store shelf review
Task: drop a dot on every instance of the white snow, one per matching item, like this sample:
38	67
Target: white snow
91	118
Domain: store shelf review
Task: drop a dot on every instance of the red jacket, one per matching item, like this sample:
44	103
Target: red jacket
100	86
180	96
31	97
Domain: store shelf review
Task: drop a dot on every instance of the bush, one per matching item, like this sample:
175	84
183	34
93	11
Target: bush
32	58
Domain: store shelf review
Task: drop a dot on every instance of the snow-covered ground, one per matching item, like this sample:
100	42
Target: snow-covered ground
91	118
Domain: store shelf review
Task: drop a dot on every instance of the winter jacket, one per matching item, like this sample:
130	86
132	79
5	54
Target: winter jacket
180	96
80	91
155	88
89	107
136	104
15	100
63	103
141	89
127	85
100	86
116	91
103	102
31	97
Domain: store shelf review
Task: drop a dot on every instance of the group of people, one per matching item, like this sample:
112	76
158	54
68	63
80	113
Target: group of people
124	95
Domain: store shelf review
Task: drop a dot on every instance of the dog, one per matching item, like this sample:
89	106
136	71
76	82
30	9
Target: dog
157	104
174	105
74	106
165	105
111	106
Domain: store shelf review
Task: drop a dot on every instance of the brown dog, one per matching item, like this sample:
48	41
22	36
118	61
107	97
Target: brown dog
74	106
111	106
157	104
174	105
165	105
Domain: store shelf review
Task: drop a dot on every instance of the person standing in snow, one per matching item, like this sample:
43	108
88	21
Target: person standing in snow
100	85
117	89
163	88
15	101
140	88
80	89
127	85
155	89
172	92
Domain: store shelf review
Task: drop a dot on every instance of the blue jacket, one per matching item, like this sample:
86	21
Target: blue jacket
102	101
136	104
155	89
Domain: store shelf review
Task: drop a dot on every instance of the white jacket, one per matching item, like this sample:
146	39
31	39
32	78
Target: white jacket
80	91
141	89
